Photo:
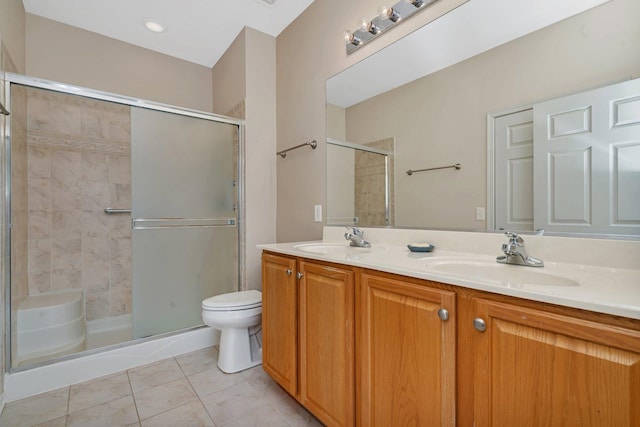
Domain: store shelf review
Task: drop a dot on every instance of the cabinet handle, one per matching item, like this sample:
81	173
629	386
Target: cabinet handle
443	314
479	324
289	272
299	275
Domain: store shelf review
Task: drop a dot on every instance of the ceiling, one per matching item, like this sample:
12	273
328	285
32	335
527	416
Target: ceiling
199	31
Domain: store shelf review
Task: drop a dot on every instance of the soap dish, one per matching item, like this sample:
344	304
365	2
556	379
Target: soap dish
420	247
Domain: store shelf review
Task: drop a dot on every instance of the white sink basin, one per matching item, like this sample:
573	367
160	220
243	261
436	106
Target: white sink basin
331	248
505	275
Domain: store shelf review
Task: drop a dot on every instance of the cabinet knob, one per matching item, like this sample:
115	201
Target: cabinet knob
299	275
479	324
289	272
443	314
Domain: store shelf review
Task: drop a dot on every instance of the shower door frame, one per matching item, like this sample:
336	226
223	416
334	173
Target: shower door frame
34	82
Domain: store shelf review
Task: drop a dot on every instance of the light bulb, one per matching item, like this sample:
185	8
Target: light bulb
367	26
350	38
387	12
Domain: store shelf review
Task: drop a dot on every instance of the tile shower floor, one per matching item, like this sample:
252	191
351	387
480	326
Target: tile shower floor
187	390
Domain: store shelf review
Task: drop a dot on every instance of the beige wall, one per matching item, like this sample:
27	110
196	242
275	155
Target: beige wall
229	77
12	32
308	52
260	159
246	75
67	54
597	47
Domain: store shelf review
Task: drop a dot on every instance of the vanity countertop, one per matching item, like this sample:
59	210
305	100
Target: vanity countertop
603	289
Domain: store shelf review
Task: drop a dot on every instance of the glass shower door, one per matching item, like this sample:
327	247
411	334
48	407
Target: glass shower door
185	237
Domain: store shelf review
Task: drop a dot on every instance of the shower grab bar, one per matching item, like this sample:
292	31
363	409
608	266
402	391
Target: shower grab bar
457	166
313	144
111	210
3	110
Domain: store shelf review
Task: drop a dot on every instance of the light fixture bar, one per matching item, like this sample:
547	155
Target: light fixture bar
388	18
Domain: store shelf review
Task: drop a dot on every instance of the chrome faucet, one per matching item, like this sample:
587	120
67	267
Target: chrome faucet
514	253
356	236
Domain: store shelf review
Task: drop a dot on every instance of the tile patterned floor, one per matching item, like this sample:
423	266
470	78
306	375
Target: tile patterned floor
188	390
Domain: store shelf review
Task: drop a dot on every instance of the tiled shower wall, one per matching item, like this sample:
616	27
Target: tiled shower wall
79	163
370	185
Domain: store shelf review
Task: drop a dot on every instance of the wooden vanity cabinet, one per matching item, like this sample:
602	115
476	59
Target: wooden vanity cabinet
406	353
362	347
308	334
280	320
535	368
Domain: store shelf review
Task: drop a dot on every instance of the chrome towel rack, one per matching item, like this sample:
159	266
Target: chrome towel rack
457	166
313	144
111	210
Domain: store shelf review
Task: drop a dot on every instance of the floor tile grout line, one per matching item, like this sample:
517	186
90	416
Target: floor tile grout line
133	396
66	415
198	398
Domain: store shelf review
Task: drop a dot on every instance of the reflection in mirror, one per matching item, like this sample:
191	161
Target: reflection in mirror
361	177
434	90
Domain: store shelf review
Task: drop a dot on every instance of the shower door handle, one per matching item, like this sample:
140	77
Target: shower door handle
111	210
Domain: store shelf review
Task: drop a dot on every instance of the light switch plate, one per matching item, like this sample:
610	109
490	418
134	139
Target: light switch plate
317	213
480	214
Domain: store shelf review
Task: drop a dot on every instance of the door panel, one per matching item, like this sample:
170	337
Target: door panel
327	343
183	167
513	147
280	321
535	368
185	238
407	354
587	161
174	269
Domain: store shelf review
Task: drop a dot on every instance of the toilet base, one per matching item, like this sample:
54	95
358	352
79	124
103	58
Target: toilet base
240	349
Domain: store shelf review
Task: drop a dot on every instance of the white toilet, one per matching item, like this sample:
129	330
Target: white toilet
238	316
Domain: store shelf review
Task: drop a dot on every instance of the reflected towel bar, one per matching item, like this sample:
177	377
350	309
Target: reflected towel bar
111	210
457	166
313	144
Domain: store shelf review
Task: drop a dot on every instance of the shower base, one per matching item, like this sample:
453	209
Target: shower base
50	325
108	331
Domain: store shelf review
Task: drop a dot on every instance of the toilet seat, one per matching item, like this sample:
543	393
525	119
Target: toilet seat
234	301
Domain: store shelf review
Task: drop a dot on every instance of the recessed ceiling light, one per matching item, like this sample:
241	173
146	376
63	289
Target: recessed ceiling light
154	25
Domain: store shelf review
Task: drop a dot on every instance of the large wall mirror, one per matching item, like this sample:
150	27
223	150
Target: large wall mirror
446	93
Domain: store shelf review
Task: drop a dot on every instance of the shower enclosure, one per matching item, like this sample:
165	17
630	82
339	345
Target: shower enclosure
124	217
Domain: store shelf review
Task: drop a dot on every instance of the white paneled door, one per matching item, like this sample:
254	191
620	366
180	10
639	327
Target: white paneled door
587	161
513	145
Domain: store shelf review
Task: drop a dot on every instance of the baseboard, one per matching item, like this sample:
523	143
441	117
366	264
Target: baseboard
67	372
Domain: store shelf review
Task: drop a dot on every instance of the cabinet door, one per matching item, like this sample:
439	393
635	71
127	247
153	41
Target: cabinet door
327	343
407	359
535	368
280	320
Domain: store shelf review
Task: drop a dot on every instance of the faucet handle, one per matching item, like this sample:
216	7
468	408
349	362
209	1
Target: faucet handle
514	238
356	231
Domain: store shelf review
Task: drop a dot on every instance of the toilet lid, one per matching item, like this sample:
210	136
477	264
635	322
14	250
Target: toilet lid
242	300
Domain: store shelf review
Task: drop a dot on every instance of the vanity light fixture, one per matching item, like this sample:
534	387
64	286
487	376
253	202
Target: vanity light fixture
154	25
388	17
